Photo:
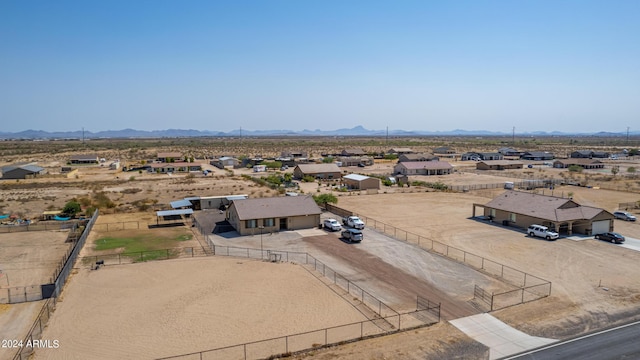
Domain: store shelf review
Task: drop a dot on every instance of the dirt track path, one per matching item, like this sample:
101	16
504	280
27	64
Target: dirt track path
401	283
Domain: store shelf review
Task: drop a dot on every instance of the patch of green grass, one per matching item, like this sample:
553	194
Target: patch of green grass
141	242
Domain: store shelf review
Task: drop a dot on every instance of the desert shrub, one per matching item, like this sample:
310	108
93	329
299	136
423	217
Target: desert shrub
131	191
575	168
308	178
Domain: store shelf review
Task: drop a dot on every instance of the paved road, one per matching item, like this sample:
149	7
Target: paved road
618	343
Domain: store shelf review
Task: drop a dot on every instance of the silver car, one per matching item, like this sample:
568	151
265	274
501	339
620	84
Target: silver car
623	215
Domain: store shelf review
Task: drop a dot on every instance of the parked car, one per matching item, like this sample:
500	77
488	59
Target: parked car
353	221
611	236
332	225
624	215
353	235
542	231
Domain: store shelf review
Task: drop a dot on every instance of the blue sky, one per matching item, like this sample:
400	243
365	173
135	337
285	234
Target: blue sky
413	65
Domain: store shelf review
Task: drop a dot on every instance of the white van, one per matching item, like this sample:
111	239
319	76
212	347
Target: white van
509	185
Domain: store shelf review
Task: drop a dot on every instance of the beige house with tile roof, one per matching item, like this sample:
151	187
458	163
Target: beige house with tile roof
273	214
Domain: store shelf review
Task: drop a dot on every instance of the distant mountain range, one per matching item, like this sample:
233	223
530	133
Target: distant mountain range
355	131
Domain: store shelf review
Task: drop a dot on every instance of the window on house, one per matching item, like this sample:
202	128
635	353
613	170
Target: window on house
493	212
269	222
512	217
250	224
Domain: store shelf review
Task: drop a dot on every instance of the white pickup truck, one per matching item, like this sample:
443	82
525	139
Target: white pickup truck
354	222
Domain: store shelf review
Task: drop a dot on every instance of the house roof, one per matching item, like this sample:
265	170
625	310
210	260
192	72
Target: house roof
318	168
356	151
538	153
174	212
84	157
542	206
224	158
431	165
356	177
501	162
275	207
578	161
417	156
180	203
27	166
584	152
174	164
400	150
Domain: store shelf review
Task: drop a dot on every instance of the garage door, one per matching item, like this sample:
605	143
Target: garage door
600	227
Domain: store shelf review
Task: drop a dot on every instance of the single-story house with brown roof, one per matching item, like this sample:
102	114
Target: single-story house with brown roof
499	165
253	216
169	157
355	161
84	159
361	182
400	150
175	167
417	157
318	171
521	209
353	152
423	168
582	162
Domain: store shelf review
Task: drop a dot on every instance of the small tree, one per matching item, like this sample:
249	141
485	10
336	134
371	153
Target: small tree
327	160
631	170
71	208
575	168
324	199
615	169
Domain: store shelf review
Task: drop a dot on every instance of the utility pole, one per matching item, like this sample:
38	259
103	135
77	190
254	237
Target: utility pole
627	135
513	136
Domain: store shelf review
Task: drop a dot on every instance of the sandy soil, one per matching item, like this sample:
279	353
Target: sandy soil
180	306
31	257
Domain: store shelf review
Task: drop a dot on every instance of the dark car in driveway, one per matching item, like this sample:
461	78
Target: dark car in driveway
611	236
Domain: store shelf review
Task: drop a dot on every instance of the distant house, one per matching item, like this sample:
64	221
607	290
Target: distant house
400	151
589	154
417	157
499	165
318	171
481	156
584	163
355	161
360	182
253	216
114	165
225	161
444	150
84	159
423	168
168	157
173	167
537	155
521	209
353	152
294	154
507	151
22	171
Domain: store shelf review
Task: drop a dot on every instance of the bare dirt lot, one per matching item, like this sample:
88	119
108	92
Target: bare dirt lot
31	257
163	308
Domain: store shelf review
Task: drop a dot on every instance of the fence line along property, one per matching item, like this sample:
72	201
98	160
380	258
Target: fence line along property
52	291
527	287
427	313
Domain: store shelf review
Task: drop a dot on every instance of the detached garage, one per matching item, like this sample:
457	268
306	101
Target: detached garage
360	182
521	209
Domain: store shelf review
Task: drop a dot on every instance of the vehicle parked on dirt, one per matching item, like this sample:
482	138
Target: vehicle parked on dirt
332	225
353	235
542	231
624	215
354	222
611	236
